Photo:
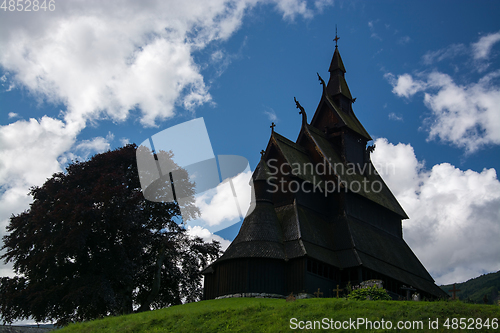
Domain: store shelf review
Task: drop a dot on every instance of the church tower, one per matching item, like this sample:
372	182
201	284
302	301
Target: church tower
323	216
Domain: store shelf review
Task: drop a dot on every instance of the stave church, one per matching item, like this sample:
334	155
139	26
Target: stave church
323	216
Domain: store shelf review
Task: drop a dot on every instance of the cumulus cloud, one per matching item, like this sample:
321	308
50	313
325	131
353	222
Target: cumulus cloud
220	208
104	58
124	141
31	151
454	223
467	116
404	85
207	236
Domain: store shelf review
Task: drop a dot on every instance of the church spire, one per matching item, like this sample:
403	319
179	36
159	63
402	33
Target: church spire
337	86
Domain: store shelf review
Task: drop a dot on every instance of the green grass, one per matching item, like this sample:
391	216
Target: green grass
273	315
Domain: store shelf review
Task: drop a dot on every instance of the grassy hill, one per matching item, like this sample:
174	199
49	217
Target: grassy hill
475	289
273	315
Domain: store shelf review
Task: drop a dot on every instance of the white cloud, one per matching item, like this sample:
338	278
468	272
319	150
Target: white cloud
31	151
124	141
404	85
4	79
221	60
454	223
100	60
396	117
207	236
321	4
449	52
467	116
291	8
13	115
218	207
95	146
483	47
271	114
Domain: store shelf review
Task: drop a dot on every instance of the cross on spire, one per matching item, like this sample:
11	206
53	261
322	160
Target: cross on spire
336	37
273	125
262	152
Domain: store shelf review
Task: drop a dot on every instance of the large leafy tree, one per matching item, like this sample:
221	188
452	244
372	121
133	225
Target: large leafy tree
90	245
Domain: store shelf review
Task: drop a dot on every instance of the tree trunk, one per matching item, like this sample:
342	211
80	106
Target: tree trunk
155	289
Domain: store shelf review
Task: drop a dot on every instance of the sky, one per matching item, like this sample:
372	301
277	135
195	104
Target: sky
95	75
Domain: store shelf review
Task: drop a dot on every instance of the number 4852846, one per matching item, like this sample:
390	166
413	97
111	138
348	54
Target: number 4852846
28	5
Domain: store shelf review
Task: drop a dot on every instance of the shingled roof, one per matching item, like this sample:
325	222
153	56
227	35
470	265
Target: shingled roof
260	234
348	119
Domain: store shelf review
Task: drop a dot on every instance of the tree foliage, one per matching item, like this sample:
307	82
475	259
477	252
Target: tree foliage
90	245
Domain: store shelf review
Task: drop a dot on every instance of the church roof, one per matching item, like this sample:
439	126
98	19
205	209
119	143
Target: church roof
337	83
295	154
348	119
384	198
260	236
336	63
262	171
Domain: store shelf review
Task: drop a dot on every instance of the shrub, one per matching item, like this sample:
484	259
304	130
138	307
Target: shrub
373	293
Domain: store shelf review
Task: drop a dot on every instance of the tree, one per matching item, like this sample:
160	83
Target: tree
90	245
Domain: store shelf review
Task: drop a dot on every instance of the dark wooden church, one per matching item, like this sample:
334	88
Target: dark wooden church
323	216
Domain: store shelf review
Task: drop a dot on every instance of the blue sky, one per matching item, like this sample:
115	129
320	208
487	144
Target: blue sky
92	76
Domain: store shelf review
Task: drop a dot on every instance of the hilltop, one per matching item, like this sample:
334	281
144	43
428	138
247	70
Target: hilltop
275	315
473	290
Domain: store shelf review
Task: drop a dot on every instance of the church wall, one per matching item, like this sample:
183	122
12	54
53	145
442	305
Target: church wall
374	214
231	277
266	276
209	286
249	275
295	276
313	282
325	116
